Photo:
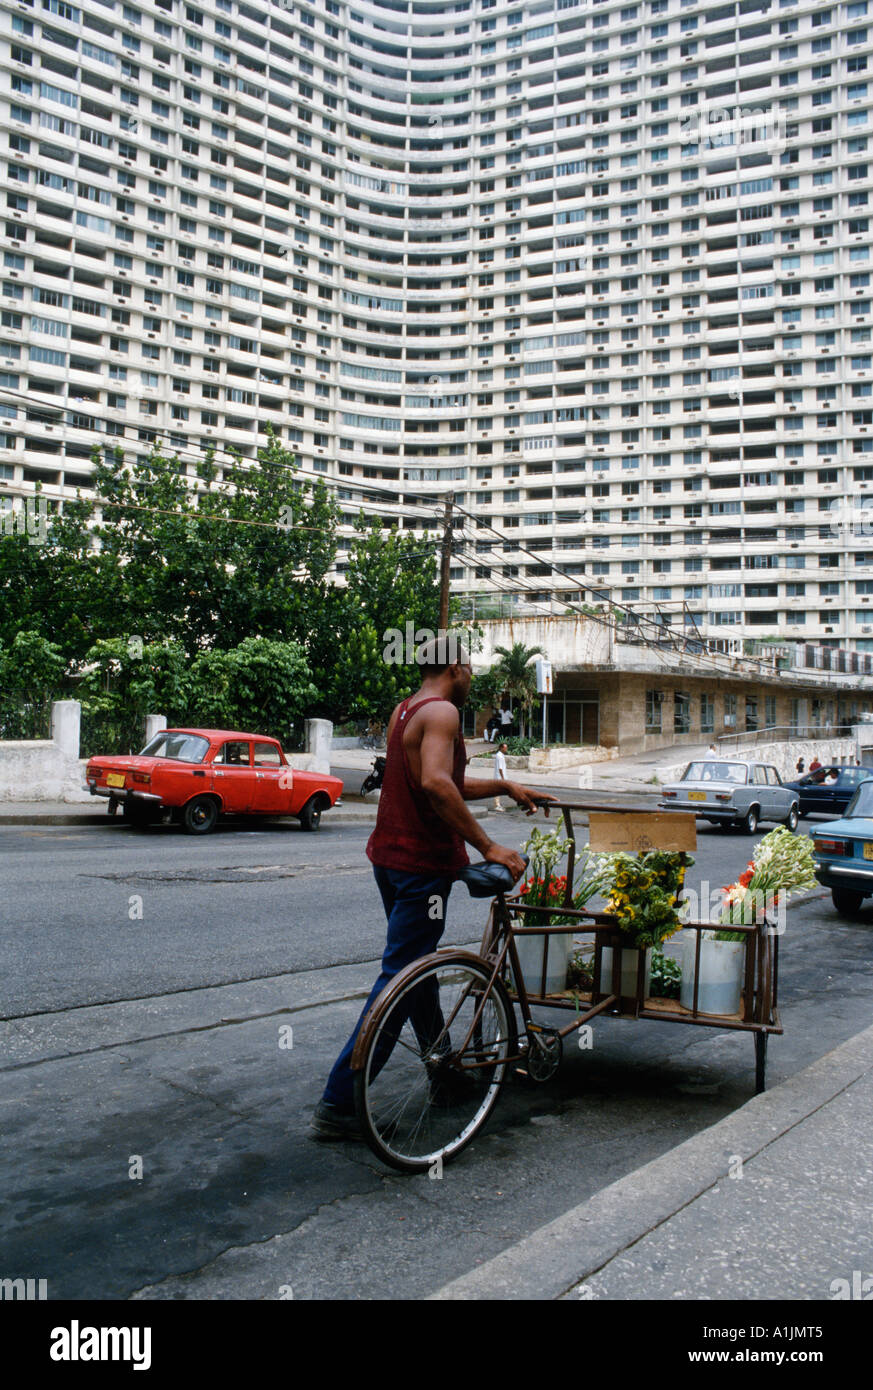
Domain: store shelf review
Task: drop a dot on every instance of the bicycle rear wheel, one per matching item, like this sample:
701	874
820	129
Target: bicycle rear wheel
422	1095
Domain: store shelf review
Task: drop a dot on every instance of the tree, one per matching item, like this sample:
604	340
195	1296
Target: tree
486	689
519	677
391	581
62	588
122	680
208	555
31	676
260	687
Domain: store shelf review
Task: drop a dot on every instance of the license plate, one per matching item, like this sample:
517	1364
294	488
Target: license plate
697	796
115	779
868	849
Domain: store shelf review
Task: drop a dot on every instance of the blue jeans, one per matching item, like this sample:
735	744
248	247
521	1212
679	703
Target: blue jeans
414	929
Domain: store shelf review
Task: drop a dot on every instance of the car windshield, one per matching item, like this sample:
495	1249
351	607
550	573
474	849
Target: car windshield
714	772
862	802
185	748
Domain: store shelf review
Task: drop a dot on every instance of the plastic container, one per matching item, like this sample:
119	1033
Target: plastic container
721	976
629	966
530	957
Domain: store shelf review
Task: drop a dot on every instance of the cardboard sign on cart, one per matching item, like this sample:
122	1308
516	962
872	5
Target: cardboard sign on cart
639	831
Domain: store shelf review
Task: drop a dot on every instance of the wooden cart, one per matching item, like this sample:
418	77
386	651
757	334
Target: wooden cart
758	1013
437	1045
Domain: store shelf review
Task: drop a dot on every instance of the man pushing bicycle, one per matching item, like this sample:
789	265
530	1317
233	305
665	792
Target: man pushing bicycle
417	847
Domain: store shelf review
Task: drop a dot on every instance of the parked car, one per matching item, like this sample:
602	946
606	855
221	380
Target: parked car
843	852
733	794
829	789
198	774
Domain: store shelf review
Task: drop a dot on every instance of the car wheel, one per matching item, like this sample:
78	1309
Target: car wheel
310	816
846	901
750	822
200	815
792	819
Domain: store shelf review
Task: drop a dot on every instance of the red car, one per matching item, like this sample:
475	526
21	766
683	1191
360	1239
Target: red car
200	773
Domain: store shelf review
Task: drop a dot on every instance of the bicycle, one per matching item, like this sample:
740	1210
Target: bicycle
440	1041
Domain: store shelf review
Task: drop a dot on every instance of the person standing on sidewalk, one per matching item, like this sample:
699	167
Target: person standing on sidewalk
417	848
500	771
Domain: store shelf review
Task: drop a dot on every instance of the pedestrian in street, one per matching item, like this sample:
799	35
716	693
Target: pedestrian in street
417	847
713	751
500	771
814	765
800	767
506	722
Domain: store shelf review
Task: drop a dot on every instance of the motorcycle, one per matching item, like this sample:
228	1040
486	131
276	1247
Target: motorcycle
373	779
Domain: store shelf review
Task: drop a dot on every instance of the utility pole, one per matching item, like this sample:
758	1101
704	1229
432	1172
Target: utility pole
445	562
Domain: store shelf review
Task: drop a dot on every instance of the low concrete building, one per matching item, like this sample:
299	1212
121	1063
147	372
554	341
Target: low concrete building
614	693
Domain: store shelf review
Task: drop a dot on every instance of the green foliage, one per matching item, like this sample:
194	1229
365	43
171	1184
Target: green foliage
486	689
518	676
202	560
122	681
644	893
518	747
359	682
211	556
62	590
391	579
260	687
666	979
31	676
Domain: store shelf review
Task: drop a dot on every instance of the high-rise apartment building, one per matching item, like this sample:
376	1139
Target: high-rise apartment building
600	269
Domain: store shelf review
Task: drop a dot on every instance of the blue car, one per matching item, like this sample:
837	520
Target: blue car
828	790
843	852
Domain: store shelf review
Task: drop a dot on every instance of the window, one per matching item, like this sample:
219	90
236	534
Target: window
681	713
654	706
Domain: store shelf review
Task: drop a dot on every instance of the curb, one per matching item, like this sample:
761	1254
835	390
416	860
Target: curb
559	1256
348	817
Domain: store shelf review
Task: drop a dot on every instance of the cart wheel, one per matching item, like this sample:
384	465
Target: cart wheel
760	1062
420	1101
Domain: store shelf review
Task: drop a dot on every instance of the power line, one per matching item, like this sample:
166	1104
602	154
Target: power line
679	644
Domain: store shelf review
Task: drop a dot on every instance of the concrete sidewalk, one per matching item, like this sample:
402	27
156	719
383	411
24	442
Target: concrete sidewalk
771	1203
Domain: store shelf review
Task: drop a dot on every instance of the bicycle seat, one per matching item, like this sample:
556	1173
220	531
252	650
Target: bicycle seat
486	880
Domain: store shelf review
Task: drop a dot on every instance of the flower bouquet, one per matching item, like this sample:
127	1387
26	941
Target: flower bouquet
643	895
543	887
644	898
781	865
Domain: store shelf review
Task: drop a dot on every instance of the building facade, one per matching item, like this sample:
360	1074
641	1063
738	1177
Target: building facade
601	270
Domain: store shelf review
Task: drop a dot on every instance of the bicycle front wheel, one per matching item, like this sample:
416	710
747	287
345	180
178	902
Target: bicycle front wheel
433	1060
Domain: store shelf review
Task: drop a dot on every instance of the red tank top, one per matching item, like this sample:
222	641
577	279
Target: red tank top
409	835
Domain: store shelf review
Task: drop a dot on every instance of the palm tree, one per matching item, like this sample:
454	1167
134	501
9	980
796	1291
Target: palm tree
518	676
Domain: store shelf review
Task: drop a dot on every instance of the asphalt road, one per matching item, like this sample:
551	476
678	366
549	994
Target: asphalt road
154	1127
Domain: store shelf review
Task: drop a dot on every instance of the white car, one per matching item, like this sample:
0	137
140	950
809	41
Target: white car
733	794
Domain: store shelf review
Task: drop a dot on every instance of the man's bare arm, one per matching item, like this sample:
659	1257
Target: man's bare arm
477	789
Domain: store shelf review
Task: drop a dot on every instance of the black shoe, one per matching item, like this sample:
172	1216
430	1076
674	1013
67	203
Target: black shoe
329	1123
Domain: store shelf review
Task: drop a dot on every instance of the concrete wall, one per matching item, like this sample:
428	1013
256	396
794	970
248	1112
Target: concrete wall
782	756
541	759
568	642
38	770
